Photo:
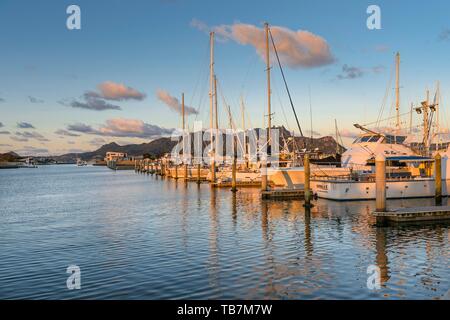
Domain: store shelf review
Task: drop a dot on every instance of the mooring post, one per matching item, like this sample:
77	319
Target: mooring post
233	176
213	172
176	171
264	185
234	166
438	179
308	194
380	182
198	173
186	172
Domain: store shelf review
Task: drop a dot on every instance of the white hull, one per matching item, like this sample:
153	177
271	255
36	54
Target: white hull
241	176
355	190
295	176
191	173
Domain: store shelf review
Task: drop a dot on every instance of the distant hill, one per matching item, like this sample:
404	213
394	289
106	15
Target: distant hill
155	148
325	144
9	157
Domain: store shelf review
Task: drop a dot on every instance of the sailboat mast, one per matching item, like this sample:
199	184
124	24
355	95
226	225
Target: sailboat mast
243	129
426	129
397	89
438	107
182	110
269	123
216	117
410	118
211	105
183	121
242	114
337	136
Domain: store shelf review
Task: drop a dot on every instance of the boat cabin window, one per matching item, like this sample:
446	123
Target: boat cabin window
389	139
373	138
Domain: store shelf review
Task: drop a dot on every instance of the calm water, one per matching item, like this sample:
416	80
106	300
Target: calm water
139	237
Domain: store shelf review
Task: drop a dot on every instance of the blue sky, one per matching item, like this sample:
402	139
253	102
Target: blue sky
152	45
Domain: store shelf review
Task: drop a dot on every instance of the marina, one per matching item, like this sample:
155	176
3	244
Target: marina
160	238
224	151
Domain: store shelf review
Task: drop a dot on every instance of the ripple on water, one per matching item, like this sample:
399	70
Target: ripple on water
139	237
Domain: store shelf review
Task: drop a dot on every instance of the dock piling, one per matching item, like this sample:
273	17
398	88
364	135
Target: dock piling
264	186
308	194
380	182
198	173
438	179
234	166
233	176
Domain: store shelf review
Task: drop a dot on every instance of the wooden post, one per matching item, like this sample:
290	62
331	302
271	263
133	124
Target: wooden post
198	173
380	182
233	176
308	195
264	185
438	179
234	165
186	172
176	171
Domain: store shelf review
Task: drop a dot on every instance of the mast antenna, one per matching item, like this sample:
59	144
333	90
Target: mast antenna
397	89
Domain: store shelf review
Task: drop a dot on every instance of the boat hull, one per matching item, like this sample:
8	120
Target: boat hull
295	176
357	190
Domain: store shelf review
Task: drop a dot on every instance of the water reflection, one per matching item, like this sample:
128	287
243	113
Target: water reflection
213	261
381	256
308	242
159	238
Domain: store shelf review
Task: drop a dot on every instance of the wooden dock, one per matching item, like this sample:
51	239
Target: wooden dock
239	184
412	215
282	194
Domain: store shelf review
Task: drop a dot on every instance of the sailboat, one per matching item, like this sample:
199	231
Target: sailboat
291	174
